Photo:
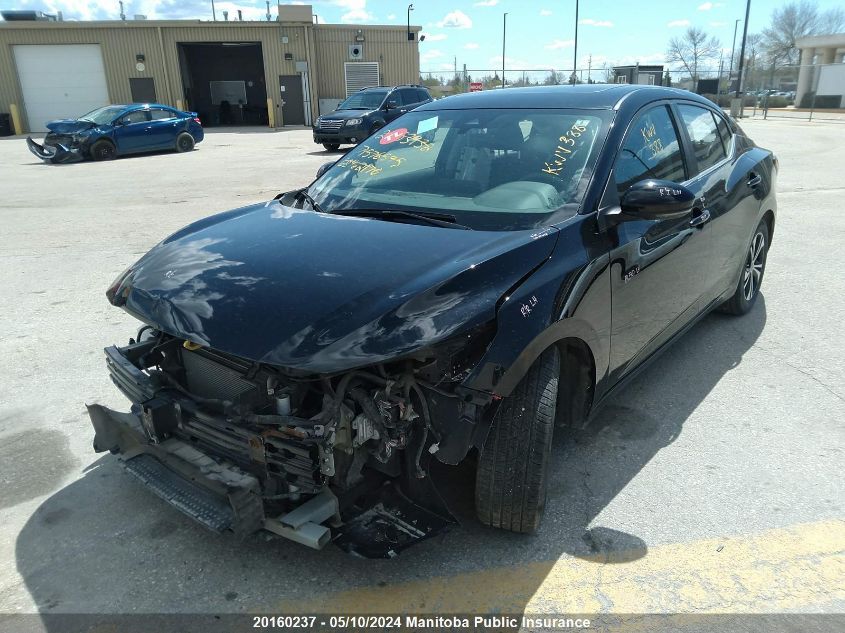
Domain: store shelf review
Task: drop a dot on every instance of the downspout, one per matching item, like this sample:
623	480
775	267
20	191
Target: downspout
164	66
312	90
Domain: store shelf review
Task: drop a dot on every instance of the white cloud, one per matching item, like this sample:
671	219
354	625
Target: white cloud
545	12
716	24
592	22
486	3
471	46
430	54
391	17
710	5
446	66
675	23
356	11
456	20
557	44
434	37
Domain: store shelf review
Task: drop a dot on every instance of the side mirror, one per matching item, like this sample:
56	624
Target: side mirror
657	199
325	167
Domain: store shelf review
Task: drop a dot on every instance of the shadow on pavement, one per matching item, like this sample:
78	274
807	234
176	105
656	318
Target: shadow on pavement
104	545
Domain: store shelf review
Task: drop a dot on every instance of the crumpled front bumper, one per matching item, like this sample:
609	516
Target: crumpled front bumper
55	154
222	498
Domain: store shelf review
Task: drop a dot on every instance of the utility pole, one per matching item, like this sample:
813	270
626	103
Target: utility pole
504	33
213	12
575	50
733	52
742	50
268	9
590	69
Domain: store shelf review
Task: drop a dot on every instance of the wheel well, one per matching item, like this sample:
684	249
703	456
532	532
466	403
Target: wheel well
577	382
769	217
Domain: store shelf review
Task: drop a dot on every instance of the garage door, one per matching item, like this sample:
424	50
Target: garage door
60	81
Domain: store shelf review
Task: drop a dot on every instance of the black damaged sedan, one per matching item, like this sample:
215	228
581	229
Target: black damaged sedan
483	269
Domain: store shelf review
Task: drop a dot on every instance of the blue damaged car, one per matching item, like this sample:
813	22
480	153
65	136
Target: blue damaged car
117	130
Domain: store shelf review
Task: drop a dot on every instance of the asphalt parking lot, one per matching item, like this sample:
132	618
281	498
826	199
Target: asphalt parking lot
713	483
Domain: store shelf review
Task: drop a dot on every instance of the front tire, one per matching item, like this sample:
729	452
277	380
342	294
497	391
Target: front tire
512	472
103	150
331	147
184	142
751	278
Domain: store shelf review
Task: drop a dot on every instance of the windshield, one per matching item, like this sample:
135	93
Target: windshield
104	115
364	100
497	169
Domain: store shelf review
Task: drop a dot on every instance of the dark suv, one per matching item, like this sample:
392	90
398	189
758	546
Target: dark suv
366	111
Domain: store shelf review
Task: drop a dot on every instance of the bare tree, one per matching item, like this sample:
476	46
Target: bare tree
692	49
796	20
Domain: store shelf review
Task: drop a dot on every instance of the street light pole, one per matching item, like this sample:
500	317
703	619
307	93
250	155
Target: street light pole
410	8
742	50
213	12
575	51
504	32
733	52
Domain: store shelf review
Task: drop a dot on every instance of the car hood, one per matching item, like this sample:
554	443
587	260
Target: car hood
69	126
325	293
342	115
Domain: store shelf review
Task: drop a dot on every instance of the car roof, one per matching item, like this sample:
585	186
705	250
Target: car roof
589	96
127	106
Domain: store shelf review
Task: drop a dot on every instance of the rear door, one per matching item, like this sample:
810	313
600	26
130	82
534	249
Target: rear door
164	127
729	184
710	168
657	266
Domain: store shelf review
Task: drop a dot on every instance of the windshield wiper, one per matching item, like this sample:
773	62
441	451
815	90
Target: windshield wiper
437	219
307	197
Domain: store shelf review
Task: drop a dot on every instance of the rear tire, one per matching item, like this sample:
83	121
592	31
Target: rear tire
331	147
751	277
103	150
512	472
184	142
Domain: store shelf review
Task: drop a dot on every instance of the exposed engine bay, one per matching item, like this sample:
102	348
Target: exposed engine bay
286	451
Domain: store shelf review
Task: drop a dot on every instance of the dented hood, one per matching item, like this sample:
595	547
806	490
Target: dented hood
325	293
69	126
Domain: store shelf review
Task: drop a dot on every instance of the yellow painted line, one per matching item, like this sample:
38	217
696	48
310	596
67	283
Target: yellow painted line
779	569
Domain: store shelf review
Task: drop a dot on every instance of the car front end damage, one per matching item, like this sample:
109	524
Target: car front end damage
57	151
292	382
241	446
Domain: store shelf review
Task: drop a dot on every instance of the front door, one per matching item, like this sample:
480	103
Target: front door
659	268
133	131
293	108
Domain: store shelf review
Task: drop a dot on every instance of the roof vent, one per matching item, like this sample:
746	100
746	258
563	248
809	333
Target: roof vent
27	16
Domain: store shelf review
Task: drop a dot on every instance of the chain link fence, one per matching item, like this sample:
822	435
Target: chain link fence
810	92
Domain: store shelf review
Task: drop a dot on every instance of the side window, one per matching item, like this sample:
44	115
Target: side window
136	116
159	114
422	95
724	131
651	150
706	142
395	98
409	96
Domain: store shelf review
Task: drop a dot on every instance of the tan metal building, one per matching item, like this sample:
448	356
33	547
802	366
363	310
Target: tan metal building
262	73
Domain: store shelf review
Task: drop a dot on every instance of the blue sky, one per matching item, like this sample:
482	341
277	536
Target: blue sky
539	36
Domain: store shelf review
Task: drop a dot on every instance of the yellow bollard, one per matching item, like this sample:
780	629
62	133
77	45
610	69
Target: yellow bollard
271	115
16	119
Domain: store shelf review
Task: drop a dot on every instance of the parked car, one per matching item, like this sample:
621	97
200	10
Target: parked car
366	111
486	267
117	130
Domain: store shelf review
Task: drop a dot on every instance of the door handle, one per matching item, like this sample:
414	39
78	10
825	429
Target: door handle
754	179
699	217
